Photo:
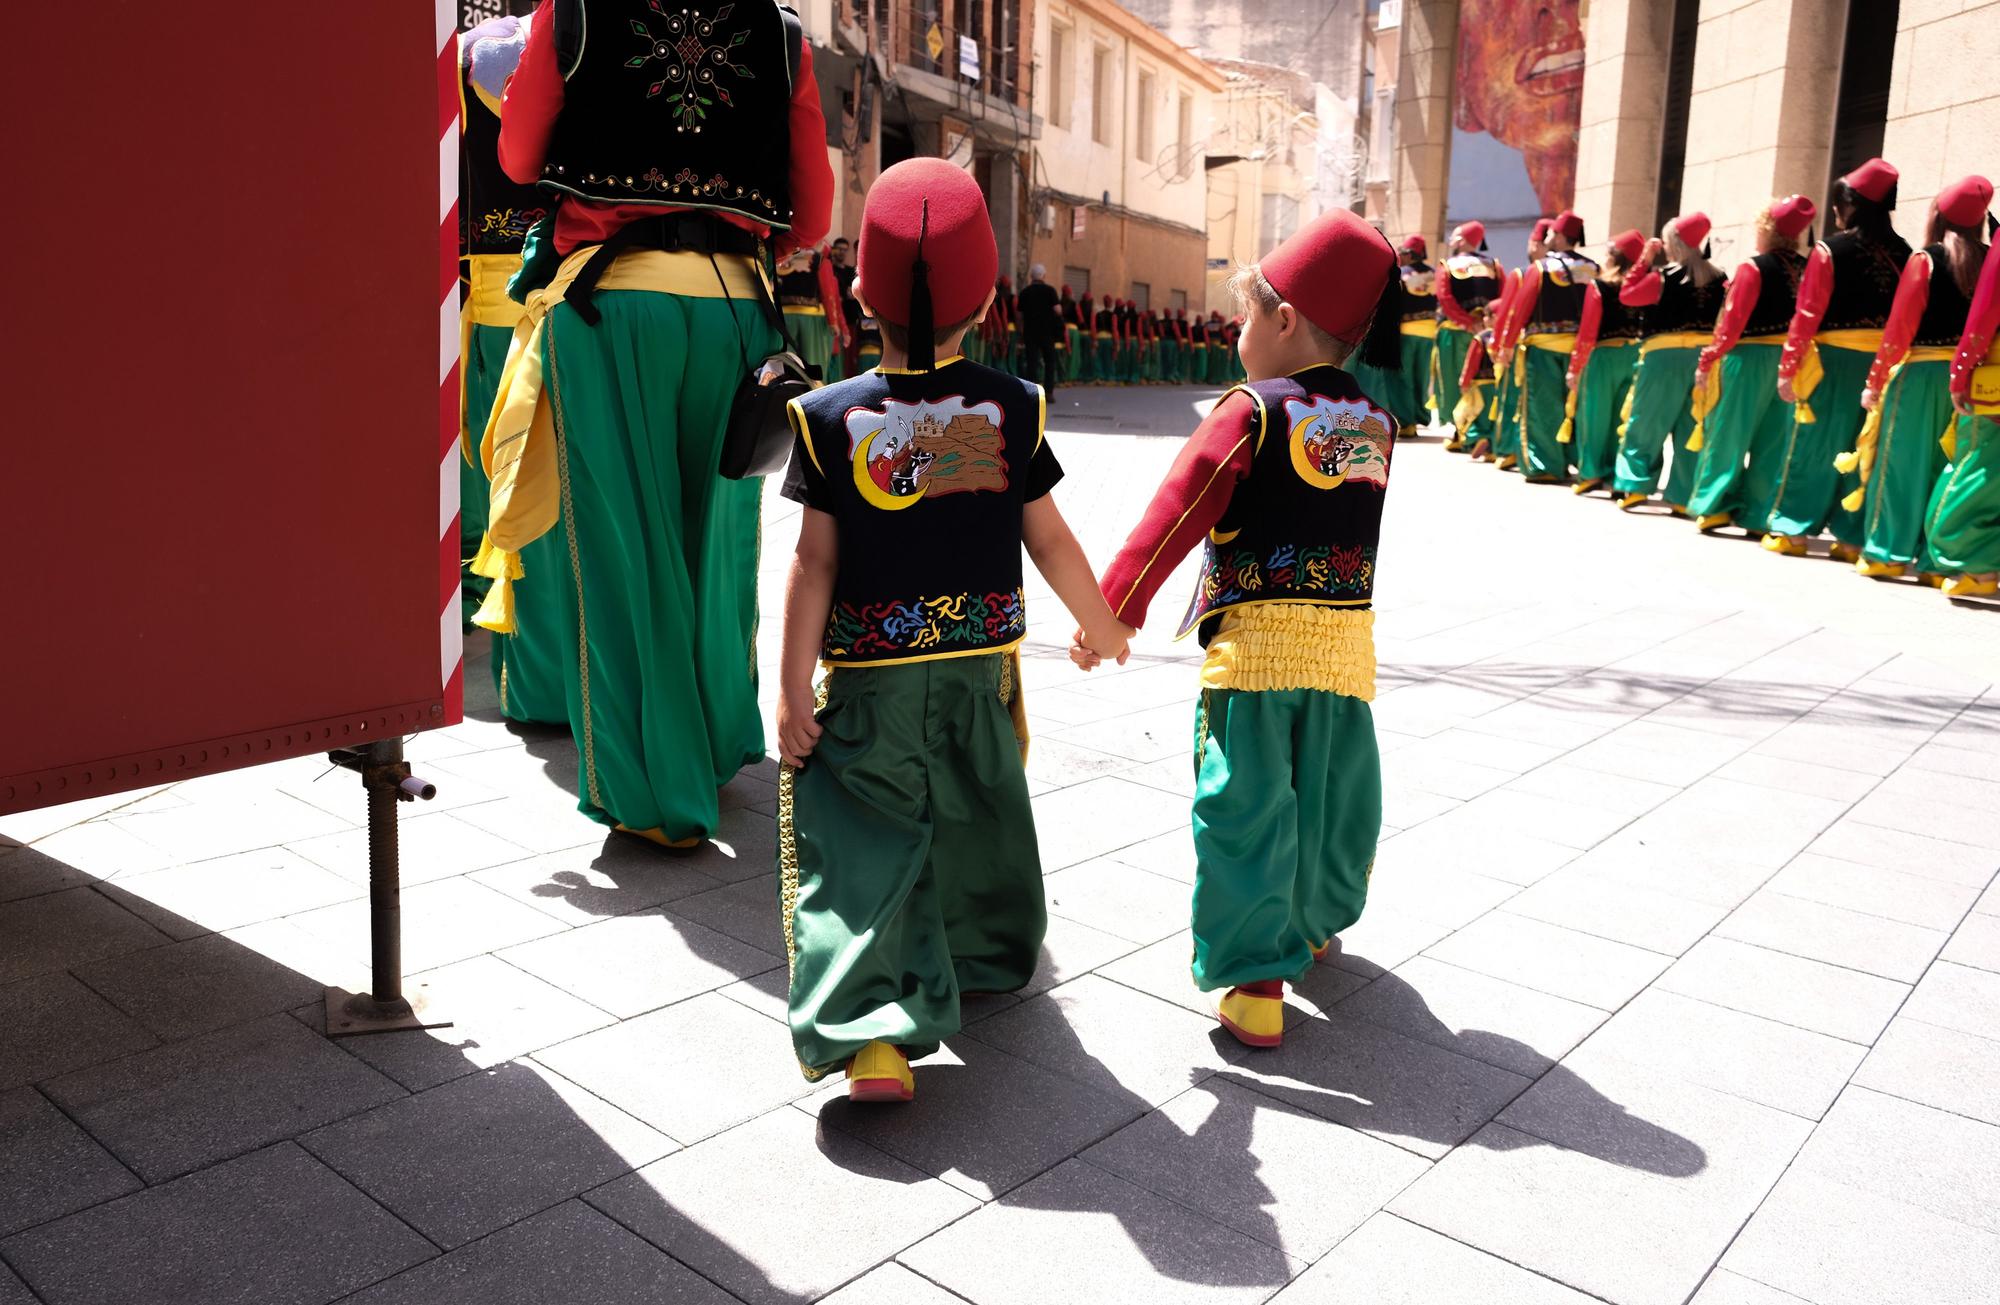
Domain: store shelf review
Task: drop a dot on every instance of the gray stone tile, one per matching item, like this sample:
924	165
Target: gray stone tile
1258	1166
12	1290
1170	854
1567	782
1547	958
1726	1288
1410	1093
1976	943
1071	824
1792	990
1723	819
1391	1261
986	1121
1833	934
486	1150
231	891
1149	734
497	1013
581	885
216	823
1945	758
40	935
1476	1015
1471	748
445	921
272	1228
1957	997
1929	1158
1404	806
1739	709
1061	764
1552	723
1832	1244
213	981
189	1104
1069	951
768	994
892	1284
1940	1067
54	1024
1383	939
103	850
827	1207
1553	820
690	1070
1162	970
1118	899
1953	807
1896	849
430	846
569	1253
747	911
1850	742
1415	886
635	963
48	1166
25	872
1497	853
1780	1066
1428	772
1989	901
1660	753
1874	890
537	822
1577	898
1798	776
1081	1234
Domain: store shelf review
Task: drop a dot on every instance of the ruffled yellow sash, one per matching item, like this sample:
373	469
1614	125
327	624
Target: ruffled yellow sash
1271	647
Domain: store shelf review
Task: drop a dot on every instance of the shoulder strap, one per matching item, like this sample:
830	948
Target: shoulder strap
795	36
570	27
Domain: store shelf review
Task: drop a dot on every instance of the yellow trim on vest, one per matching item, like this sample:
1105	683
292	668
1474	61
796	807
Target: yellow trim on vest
843	664
1271	647
1552	341
939	366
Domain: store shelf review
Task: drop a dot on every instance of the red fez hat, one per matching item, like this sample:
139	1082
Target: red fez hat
1333	271
1180	312
1541	231
1628	244
1569	224
1067	293
1965	201
1875	179
928	209
1793	214
1692	228
1005	282
1472	233
1415	244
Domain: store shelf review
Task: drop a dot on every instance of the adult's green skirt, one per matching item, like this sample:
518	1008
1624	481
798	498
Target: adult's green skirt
1962	528
1660	415
1915	415
1743	439
813	336
1543	400
1600	407
1447	361
1810	489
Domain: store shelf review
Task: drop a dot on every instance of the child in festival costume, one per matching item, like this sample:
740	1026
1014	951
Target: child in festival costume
1677	302
1282	485
1600	371
1962	528
906	848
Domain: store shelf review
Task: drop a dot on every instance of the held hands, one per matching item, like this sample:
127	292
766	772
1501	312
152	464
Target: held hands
1086	651
798	732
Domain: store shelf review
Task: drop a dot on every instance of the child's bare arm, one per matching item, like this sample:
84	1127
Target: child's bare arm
1060	559
808	599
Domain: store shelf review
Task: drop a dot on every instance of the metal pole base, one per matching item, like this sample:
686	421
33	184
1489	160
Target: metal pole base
352	1014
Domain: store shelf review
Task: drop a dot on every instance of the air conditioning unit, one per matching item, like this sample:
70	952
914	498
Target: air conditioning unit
1047	221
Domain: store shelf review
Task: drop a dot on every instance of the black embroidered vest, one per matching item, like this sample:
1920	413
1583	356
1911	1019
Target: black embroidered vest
1777	292
1475	280
1685	306
1566	278
1618	322
1304	525
1419	293
494	211
1106	319
1947	307
1865	272
929	474
674	102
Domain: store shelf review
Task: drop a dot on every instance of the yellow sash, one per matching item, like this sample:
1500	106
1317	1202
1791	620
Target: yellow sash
1272	647
1425	327
485	303
1854	339
1862	458
805	310
519	447
1676	340
1985	388
1448	325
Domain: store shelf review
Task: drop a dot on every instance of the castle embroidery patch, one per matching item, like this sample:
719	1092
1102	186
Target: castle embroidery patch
1334	441
904	451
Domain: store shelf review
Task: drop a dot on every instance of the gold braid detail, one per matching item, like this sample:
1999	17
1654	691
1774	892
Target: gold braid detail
575	570
788	870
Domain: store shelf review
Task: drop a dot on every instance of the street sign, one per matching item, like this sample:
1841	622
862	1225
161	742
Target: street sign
934	41
1076	222
968	58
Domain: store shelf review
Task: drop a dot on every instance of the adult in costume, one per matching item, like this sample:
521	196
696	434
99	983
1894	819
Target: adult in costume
1128	343
850	311
1962	528
1678	305
1740	426
1509	366
809	296
1600	371
611	415
1070	346
1550	308
1400	387
1908	395
1104	343
1041	329
1844	297
1219	346
1466	290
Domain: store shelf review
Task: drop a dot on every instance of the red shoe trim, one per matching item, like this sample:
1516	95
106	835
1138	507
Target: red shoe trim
1250	1039
1264	988
878	1089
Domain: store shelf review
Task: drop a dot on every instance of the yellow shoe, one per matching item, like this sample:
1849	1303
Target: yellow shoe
1583	487
1323	953
1626	502
1715	521
1881	570
1973	586
1839	552
1679	509
1482	451
880	1072
1931	579
1454	446
1257	1019
1507	463
1785	545
658	837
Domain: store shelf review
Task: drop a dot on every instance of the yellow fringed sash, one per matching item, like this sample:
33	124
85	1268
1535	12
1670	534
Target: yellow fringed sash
1811	372
1272	647
1862	457
1425	327
519	447
1676	340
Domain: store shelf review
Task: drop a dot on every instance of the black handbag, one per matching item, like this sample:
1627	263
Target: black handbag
759	439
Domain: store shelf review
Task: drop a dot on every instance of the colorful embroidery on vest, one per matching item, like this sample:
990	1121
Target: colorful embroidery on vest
905	451
924	626
1323	571
1334	441
694	54
510	224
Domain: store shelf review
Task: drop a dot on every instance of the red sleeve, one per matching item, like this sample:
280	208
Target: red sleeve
1587	327
829	299
1475	360
1642	288
811	176
1188	504
1744	288
1913	292
1815	288
1526	294
532	102
1980	324
1448	302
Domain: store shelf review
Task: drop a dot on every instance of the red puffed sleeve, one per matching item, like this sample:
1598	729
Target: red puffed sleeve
1448	302
1815	288
1641	288
1475	362
1744	289
829	299
532	102
1589	323
1913	292
1188	504
1527	295
809	173
1980	324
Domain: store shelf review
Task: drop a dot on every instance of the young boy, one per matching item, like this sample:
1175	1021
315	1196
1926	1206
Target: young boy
1283	486
908	870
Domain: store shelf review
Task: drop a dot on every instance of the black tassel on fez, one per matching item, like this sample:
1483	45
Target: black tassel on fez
923	335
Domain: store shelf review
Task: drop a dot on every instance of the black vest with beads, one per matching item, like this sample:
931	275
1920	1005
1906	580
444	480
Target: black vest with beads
1685	306
1566	277
1777	292
494	210
682	103
1475	280
1865	272
1419	292
1946	309
1618	322
1304	525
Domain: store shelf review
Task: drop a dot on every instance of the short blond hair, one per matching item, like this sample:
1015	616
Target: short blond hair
1767	225
1252	291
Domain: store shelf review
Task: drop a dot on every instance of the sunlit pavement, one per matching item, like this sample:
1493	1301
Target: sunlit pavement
1679	979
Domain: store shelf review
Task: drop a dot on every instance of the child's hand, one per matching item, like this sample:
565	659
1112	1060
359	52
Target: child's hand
798	732
1114	642
1080	655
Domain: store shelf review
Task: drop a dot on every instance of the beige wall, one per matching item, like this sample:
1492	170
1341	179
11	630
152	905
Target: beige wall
1626	46
1426	56
1944	101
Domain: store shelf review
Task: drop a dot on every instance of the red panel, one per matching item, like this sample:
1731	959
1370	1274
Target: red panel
220	462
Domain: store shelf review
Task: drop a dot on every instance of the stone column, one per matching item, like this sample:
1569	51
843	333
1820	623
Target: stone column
1944	101
1424	70
1626	46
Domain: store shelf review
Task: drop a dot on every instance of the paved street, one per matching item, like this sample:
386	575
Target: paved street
1680	979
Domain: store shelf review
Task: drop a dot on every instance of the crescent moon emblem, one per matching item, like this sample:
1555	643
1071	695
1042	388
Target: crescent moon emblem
1302	464
871	492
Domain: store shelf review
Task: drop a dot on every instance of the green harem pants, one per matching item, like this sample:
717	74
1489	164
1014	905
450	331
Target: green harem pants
1507	420
1662	412
1418	350
1287	813
1389	387
1747	423
1601	394
1544	397
1809	488
1447	361
814	338
1221	360
908	873
1916	413
661	579
1962	528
